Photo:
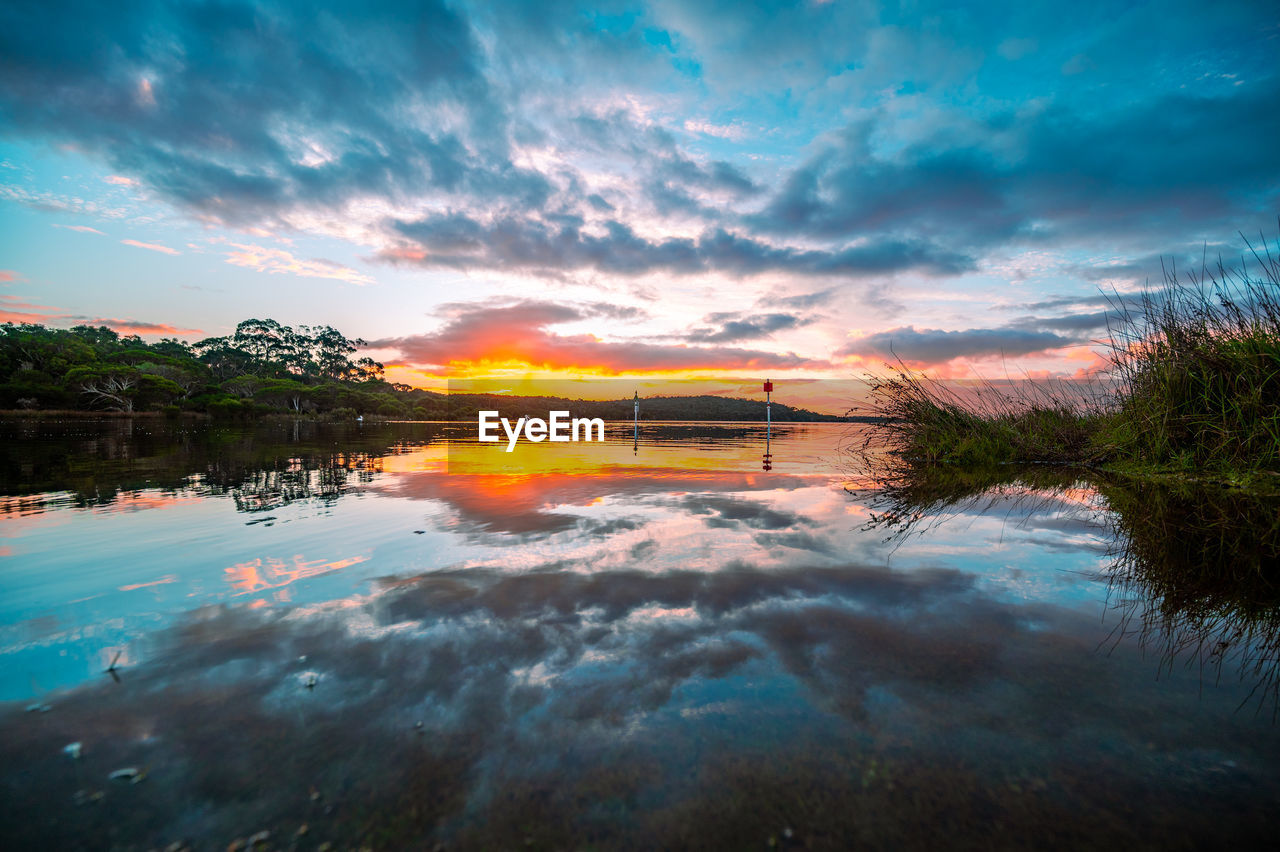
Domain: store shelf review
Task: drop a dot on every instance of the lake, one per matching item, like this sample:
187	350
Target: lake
389	635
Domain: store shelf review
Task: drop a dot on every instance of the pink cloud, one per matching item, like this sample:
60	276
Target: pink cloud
131	326
25	311
151	247
84	229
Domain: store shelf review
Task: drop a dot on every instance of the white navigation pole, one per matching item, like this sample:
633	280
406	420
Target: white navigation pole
768	411
635	444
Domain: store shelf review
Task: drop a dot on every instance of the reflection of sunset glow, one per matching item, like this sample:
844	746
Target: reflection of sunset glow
257	575
432	458
654	453
514	378
136	501
517	492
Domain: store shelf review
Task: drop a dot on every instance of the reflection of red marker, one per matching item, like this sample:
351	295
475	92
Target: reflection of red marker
768	419
768	412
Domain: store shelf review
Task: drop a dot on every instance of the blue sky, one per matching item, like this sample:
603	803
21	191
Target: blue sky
636	187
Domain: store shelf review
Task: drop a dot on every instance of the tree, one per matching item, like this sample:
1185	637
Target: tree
121	387
291	394
115	386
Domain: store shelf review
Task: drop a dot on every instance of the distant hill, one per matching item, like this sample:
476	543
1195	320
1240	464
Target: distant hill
434	406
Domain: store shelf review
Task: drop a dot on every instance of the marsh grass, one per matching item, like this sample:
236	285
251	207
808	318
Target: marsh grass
1193	383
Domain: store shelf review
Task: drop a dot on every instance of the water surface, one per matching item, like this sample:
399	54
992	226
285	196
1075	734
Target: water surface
395	636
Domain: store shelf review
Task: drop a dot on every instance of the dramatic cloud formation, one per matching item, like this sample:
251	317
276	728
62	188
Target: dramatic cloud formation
455	241
495	334
866	160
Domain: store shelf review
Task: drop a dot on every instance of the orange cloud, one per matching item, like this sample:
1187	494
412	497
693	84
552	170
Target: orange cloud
258	575
131	326
26	312
8	275
492	336
151	247
84	229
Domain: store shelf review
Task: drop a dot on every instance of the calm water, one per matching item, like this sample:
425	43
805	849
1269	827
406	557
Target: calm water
396	637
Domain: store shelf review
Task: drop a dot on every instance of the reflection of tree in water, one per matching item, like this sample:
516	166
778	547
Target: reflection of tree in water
1194	570
325	479
262	465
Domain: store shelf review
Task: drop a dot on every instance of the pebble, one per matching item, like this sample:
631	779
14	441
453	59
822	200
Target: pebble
72	750
132	774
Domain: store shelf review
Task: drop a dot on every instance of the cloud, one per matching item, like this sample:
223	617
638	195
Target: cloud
13	310
519	332
277	261
1175	163
84	229
132	326
1092	321
731	327
524	244
8	275
343	106
151	247
121	180
735	132
934	346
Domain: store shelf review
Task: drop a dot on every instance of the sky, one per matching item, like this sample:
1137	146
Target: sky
659	189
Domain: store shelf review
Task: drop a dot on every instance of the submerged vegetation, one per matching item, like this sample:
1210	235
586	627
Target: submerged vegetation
1193	384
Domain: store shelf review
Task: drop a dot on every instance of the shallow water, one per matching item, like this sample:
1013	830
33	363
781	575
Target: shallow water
395	636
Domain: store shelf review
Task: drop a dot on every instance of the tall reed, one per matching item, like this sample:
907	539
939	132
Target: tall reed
1193	381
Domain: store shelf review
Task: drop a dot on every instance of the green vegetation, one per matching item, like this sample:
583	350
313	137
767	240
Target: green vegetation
1193	385
261	368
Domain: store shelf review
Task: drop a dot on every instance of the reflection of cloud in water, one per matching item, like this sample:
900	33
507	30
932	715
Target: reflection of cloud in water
257	575
642	694
524	504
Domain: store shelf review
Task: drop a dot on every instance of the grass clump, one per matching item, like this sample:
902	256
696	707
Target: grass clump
1193	383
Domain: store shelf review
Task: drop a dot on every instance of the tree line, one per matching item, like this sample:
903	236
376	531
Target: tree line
260	368
265	367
